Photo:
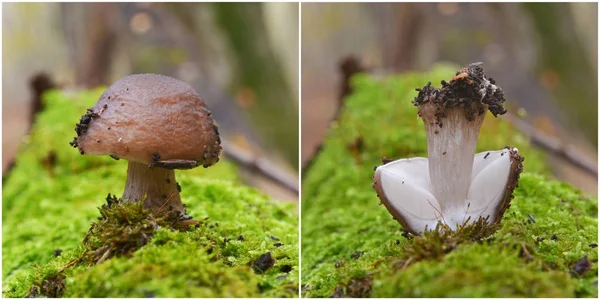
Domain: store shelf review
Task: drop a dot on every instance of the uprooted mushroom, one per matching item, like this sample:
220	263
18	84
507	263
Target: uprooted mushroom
453	185
158	124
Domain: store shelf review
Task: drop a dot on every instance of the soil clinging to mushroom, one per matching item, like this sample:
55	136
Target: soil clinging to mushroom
469	89
82	127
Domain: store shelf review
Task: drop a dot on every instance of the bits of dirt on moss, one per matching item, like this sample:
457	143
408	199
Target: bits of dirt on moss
240	238
593	245
274	238
56	252
125	227
357	287
263	263
582	266
551	266
554	237
149	294
52	286
286	268
49	161
355	148
357	254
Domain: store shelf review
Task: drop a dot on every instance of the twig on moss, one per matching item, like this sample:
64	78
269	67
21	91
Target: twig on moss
72	262
555	146
262	165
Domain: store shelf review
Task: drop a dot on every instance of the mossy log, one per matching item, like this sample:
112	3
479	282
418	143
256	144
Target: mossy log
546	245
53	193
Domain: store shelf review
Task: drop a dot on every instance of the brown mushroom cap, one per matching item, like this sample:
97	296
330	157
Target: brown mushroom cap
147	118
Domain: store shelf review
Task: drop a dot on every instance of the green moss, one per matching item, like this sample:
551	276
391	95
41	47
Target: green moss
351	246
51	285
124	227
53	194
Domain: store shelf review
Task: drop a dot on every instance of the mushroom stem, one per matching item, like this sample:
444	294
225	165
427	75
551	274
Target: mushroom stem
451	150
157	186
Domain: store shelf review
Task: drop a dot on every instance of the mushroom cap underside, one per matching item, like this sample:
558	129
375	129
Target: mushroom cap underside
404	187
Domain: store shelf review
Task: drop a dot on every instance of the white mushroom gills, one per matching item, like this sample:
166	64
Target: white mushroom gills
407	187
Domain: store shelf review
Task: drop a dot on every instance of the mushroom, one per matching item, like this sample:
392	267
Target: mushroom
453	186
158	124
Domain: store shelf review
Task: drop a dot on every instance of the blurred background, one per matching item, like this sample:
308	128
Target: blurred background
241	58
543	55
